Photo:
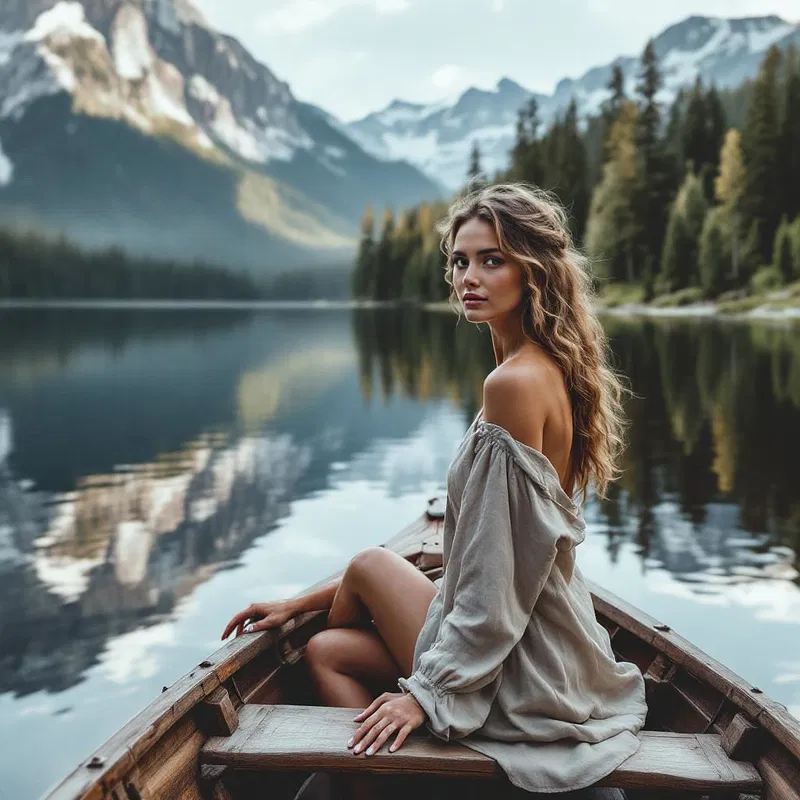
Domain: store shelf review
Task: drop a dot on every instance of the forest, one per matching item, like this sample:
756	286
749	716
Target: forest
698	201
35	266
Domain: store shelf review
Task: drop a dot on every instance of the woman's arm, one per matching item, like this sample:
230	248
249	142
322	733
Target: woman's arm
504	546
263	616
319	600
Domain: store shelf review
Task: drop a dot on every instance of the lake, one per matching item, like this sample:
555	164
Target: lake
162	468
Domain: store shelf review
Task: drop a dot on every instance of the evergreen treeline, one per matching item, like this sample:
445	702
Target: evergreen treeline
32	266
697	200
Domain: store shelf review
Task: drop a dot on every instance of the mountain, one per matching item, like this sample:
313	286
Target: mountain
133	123
438	138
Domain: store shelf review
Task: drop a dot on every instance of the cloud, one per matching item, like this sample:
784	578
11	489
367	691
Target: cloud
446	77
299	15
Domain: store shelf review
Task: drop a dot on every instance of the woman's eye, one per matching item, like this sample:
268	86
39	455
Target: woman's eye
490	261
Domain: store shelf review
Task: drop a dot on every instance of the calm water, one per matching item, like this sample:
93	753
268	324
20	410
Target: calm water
161	469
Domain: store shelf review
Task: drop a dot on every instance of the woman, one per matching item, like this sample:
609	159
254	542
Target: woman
506	653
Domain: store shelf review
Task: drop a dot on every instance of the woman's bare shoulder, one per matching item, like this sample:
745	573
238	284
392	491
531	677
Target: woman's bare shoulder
517	397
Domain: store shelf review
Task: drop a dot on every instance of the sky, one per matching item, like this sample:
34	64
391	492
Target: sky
352	57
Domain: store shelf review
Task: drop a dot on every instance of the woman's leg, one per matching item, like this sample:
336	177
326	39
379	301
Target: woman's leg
352	662
350	667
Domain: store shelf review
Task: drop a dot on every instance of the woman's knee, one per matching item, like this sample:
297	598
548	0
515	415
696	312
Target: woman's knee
322	649
371	563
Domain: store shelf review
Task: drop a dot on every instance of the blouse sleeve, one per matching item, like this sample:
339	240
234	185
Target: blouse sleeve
504	546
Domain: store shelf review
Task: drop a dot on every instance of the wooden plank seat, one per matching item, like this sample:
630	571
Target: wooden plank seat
276	737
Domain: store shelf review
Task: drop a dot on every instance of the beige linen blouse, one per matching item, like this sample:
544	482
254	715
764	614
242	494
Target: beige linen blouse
511	655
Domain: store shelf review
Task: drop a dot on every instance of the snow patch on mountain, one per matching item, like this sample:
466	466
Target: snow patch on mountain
63	20
133	55
252	141
760	40
166	94
35	63
172	14
8	44
6	174
23	79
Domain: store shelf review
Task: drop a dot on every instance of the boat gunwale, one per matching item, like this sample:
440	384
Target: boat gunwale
760	708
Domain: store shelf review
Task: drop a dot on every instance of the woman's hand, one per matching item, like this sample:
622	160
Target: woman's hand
390	713
262	616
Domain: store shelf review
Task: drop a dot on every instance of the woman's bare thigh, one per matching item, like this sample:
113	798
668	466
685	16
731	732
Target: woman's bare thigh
396	595
358	652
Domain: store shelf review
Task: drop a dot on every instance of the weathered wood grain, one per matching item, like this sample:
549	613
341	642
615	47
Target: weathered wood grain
216	714
312	737
742	739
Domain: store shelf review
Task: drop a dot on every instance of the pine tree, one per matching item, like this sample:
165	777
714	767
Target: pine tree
674	132
750	257
782	252
677	248
611	229
526	161
794	229
716	126
682	240
713	255
760	144
569	160
656	172
695	129
611	107
790	134
475	173
383	258
364	272
729	187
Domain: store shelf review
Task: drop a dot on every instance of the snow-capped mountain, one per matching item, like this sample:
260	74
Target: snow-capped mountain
438	137
151	74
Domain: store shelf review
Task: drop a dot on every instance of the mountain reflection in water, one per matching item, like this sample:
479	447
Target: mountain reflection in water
161	468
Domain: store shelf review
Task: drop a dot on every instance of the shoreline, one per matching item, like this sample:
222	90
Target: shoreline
629	310
697	310
689	311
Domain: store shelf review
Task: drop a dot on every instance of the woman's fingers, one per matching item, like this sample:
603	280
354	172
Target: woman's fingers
357	741
371	735
235	621
240	620
371	708
382	737
401	737
262	625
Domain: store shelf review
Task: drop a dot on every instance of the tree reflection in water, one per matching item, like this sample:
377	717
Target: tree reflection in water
708	488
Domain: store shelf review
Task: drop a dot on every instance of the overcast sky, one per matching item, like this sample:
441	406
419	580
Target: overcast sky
355	56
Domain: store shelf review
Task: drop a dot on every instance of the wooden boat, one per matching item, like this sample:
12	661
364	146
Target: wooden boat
243	724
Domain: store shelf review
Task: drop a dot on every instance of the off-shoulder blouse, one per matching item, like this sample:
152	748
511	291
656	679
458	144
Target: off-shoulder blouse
511	659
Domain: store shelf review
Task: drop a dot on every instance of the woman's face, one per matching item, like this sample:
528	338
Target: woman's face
481	270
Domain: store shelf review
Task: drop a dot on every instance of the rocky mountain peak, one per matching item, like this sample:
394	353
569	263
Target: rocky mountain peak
154	64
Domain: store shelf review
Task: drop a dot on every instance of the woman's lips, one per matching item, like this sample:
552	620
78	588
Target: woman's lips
474	302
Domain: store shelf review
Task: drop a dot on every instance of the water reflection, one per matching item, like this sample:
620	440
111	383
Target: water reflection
158	469
707	490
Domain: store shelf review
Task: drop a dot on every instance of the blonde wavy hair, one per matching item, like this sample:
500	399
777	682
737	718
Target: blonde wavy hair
532	229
